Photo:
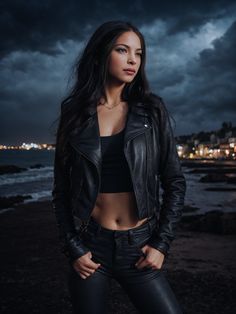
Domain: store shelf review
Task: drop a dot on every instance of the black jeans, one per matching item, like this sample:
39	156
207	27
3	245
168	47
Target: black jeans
118	251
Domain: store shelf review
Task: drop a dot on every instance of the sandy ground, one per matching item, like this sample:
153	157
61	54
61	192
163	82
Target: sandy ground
201	268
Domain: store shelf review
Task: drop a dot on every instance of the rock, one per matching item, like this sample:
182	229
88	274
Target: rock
190	222
188	208
221	189
214	177
214	222
6	202
228	223
11	169
231	180
229	170
36	166
200	164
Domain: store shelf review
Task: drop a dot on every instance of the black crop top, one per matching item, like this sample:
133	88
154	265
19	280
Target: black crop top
115	175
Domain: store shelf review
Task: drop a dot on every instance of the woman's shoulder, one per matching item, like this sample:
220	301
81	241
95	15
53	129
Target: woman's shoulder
155	100
156	105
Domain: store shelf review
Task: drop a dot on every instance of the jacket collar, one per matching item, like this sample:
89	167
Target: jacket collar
86	138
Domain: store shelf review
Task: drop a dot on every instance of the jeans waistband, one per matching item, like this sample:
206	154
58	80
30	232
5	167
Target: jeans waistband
147	226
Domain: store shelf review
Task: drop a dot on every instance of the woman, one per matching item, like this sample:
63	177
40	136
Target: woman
114	145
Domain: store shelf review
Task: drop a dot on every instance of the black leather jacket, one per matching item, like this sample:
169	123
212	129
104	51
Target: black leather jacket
150	150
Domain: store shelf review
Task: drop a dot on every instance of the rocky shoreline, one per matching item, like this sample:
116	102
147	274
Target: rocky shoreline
8	169
214	221
7	202
214	172
201	267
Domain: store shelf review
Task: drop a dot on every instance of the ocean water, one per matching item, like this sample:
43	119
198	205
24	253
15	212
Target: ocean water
34	182
38	182
205	201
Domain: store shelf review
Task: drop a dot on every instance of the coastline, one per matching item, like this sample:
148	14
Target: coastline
201	267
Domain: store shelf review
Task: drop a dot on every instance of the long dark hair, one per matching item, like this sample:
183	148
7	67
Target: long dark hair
90	70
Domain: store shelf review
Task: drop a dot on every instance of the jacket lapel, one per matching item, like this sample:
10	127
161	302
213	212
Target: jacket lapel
86	139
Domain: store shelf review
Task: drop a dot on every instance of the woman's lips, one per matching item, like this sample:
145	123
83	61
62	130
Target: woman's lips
129	72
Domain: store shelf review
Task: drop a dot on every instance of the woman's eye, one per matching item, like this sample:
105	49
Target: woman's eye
121	49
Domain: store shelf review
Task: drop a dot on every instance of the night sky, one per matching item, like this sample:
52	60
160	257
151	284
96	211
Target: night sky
190	59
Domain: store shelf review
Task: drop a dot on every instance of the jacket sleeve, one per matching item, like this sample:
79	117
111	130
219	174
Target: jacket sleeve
70	241
173	184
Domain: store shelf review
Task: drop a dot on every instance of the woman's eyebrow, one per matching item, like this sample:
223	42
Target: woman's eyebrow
127	46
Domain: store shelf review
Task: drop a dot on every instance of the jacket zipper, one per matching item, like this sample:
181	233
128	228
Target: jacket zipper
84	224
147	154
135	191
81	181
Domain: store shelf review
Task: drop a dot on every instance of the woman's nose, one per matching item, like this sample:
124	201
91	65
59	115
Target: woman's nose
132	60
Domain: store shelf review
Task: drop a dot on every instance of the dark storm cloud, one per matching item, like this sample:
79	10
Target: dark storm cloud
222	57
38	25
211	82
216	70
190	62
202	90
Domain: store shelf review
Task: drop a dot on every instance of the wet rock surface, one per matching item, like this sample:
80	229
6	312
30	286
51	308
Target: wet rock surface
6	202
4	169
214	221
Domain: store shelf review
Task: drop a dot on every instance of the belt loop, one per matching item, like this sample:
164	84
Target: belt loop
149	227
130	236
98	230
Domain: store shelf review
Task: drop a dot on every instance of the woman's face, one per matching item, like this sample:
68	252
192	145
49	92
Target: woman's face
126	54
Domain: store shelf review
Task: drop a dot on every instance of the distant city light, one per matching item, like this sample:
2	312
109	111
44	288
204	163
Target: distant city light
216	148
29	146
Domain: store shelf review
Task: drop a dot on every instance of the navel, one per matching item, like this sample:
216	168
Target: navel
118	221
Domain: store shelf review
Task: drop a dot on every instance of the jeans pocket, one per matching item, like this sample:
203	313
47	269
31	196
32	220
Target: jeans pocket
139	248
140	242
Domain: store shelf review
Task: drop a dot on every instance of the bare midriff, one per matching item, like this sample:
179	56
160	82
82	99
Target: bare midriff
117	211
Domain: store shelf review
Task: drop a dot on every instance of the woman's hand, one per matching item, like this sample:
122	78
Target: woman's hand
85	266
154	258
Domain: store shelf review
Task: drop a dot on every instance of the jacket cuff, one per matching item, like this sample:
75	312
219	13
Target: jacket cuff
161	246
73	247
